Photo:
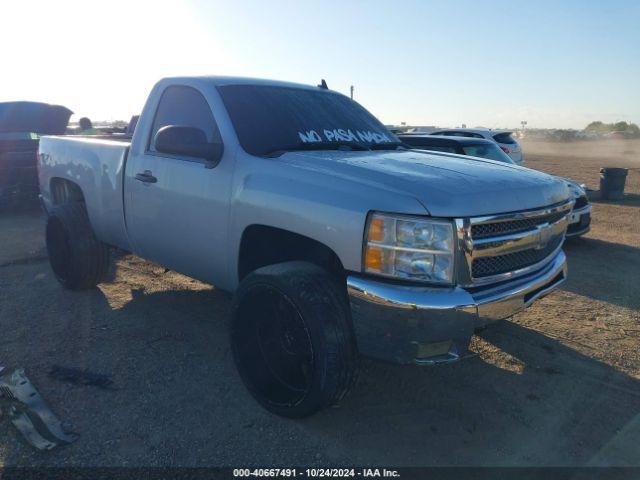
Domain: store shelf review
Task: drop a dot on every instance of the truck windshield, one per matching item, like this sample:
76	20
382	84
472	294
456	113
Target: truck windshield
273	119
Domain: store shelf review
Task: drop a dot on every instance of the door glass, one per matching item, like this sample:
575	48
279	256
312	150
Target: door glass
184	106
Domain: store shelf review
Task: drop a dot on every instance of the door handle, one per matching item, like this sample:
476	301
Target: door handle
146	177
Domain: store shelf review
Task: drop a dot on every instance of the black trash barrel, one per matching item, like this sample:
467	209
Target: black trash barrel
612	182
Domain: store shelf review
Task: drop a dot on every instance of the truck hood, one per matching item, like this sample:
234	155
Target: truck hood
446	185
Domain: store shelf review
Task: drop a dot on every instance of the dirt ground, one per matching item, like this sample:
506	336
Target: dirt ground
559	384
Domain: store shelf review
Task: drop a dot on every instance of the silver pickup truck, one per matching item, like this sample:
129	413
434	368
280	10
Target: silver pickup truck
335	238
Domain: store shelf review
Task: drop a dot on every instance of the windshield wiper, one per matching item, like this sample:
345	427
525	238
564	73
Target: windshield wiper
317	146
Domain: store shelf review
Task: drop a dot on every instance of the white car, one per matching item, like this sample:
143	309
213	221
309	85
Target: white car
503	138
580	217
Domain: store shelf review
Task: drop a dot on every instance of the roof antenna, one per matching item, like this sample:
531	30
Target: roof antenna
323	84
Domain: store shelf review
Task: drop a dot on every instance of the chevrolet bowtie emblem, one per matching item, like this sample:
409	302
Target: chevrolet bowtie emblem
544	235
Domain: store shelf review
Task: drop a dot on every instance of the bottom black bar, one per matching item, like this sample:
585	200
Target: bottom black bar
410	473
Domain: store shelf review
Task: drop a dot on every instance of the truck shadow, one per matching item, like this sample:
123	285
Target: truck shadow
594	263
528	399
629	200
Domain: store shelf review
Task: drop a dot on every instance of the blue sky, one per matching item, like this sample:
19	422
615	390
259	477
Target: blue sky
490	63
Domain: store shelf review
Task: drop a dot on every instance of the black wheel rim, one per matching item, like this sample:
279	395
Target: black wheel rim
273	347
58	249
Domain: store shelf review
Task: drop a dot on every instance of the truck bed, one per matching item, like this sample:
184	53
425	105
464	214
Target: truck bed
116	137
97	166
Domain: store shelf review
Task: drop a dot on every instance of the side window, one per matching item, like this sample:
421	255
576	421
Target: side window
504	137
185	106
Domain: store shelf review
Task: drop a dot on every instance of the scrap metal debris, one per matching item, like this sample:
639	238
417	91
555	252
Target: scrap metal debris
77	376
29	413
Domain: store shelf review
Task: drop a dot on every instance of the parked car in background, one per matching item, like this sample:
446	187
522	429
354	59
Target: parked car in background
580	219
21	124
472	146
502	138
335	238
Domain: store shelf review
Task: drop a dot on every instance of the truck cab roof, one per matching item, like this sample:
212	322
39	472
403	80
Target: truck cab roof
218	81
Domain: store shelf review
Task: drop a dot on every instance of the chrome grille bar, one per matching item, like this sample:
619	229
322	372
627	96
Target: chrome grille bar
499	247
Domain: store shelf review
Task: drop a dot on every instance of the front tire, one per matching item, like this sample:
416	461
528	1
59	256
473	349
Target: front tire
292	339
78	259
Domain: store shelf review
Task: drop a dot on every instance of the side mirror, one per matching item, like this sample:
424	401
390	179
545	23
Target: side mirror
188	141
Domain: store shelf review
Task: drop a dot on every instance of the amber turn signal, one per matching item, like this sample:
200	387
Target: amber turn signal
376	228
373	258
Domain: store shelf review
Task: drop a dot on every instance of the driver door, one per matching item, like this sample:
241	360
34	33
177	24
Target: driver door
176	208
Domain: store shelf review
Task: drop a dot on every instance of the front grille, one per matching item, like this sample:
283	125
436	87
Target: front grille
581	202
533	237
488	266
495	229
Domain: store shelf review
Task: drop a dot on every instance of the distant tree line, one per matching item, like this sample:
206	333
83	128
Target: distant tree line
628	129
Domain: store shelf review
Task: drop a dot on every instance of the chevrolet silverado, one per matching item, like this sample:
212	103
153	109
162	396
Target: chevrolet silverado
335	238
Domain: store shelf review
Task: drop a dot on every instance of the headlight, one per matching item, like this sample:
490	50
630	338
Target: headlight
409	247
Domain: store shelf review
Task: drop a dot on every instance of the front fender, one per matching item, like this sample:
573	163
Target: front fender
332	211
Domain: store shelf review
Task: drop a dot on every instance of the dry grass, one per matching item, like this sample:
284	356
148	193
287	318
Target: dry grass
597	312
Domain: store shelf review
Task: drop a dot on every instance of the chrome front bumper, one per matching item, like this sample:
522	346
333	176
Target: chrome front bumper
426	325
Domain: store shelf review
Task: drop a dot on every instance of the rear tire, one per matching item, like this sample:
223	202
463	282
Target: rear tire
292	338
78	259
